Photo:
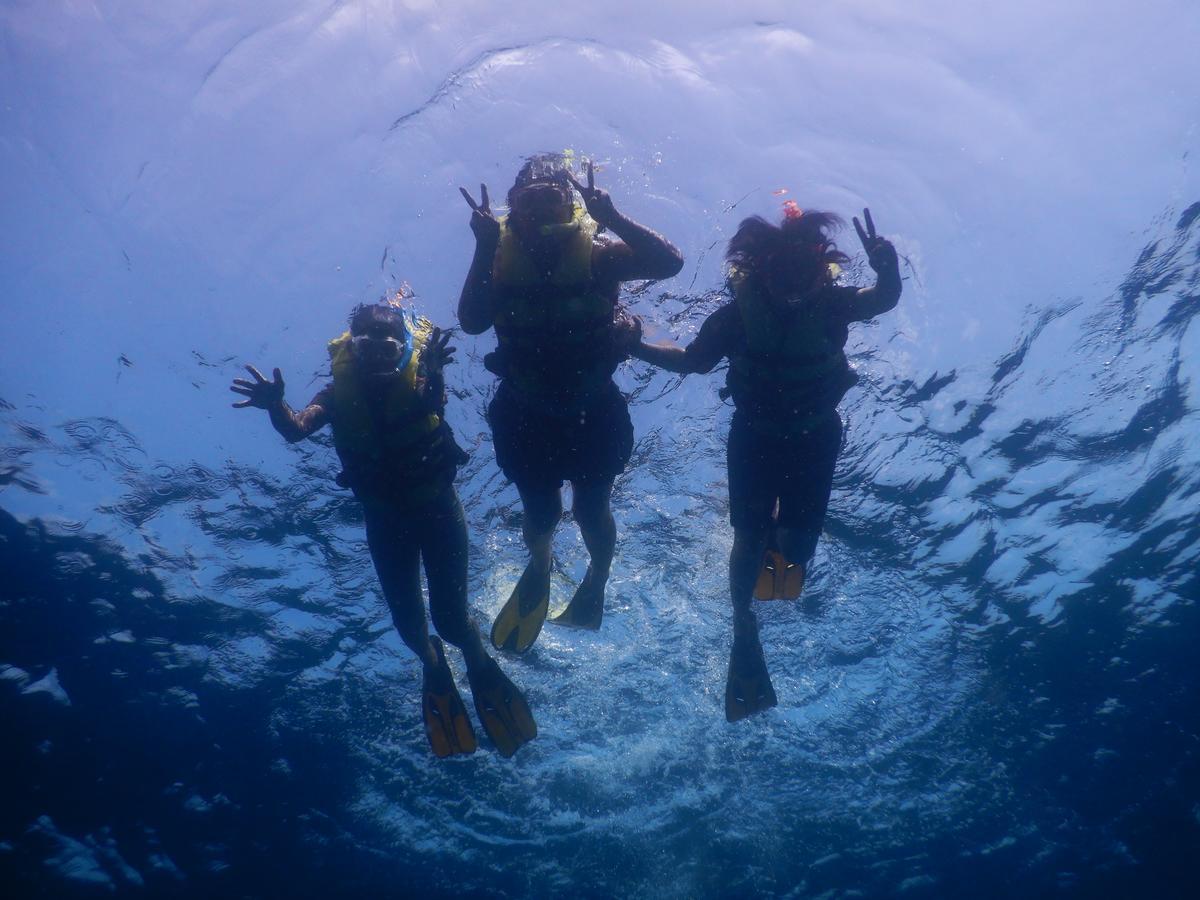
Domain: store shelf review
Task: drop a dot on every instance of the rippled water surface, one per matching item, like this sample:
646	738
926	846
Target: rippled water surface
991	686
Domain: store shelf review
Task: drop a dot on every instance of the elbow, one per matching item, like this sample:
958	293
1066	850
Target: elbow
472	326
672	264
892	299
469	321
471	317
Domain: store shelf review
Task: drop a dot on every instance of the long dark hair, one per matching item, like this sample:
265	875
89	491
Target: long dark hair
758	247
388	309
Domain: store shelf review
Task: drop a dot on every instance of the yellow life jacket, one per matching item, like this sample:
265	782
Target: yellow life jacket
793	365
554	329
392	437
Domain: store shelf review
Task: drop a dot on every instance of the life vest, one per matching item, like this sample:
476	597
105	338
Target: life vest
391	440
554	329
792	367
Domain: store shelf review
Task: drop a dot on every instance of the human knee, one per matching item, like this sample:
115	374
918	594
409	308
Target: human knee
452	622
541	510
413	630
591	504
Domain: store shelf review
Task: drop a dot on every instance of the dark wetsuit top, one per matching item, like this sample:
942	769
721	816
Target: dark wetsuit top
797	470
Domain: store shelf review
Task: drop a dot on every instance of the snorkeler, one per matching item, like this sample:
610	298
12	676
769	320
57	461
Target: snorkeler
386	405
784	334
548	282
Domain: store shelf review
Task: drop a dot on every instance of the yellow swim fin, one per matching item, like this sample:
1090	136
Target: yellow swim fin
521	618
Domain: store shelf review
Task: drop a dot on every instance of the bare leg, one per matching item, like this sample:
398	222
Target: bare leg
520	620
542	512
593	512
594	515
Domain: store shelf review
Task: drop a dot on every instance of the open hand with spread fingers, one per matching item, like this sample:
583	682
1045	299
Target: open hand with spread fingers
483	222
437	353
880	252
599	203
262	394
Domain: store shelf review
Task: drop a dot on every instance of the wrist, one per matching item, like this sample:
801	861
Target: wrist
612	220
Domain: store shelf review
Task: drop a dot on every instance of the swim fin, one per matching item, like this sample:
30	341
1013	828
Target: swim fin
502	708
586	609
521	618
779	579
447	724
748	689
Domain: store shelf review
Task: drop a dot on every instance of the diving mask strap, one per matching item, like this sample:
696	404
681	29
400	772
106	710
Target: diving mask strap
410	324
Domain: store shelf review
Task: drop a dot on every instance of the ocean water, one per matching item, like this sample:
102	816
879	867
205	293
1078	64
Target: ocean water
991	687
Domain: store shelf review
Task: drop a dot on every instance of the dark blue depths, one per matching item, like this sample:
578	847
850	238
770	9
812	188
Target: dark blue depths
993	689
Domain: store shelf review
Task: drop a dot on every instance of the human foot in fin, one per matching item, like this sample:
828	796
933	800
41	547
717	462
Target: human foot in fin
447	724
501	707
748	689
521	618
586	609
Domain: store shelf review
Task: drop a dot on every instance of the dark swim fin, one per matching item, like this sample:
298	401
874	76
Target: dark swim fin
447	724
748	689
502	708
779	579
521	618
586	609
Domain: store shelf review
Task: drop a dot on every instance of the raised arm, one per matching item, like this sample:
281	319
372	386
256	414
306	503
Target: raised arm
700	356
643	253
476	304
268	395
883	297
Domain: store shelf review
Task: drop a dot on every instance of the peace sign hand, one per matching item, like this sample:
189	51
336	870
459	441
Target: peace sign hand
880	252
599	203
483	223
437	353
261	393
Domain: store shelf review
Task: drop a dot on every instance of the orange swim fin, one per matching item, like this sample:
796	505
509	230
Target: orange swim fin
779	579
446	722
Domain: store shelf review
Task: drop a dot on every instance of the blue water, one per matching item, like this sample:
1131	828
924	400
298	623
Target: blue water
991	687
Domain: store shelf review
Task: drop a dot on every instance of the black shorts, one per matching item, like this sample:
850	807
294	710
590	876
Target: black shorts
796	471
540	446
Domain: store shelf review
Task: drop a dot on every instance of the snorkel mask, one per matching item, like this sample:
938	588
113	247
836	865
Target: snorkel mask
385	352
542	192
542	205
